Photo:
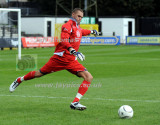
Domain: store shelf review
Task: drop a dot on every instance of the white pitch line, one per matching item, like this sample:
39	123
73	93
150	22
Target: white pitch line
102	99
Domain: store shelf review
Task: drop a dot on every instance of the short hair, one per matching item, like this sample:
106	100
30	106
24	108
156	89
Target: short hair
77	9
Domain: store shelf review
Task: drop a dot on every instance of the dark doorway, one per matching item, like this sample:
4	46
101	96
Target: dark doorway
129	28
48	28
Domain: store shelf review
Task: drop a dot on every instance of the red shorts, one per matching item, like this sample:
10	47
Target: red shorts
54	65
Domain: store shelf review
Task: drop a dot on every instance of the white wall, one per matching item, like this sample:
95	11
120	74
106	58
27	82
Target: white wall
34	25
61	19
2	1
117	25
45	26
3	17
38	25
53	21
125	28
110	25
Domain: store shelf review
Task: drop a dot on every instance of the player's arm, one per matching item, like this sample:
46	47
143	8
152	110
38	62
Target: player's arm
86	32
65	35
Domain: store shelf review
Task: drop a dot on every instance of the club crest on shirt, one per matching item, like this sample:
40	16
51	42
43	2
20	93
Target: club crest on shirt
78	33
64	29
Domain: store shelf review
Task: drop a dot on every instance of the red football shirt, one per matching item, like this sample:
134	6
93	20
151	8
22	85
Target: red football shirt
71	35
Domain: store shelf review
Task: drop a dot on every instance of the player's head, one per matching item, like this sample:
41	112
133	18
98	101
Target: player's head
77	14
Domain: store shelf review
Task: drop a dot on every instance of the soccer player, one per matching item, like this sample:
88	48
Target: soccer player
65	58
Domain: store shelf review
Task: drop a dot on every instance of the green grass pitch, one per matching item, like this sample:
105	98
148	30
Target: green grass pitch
123	75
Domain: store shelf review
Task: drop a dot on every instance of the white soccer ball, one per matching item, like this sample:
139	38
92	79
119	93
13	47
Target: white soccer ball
125	111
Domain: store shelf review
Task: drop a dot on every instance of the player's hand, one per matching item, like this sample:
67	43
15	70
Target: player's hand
80	56
94	32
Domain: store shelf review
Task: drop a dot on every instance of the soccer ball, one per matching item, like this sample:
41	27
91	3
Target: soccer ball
125	111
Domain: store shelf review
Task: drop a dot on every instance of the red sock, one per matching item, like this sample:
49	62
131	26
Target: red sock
19	80
82	90
30	75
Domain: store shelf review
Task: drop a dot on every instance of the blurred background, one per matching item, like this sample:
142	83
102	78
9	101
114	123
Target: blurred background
44	18
138	8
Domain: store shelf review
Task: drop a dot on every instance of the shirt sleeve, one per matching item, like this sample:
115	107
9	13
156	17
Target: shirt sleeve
65	35
85	32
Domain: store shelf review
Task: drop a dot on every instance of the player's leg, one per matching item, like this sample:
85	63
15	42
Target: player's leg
28	76
31	75
50	66
84	86
79	70
86	76
82	90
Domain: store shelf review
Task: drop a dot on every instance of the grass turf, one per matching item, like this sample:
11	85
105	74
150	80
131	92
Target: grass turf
122	75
